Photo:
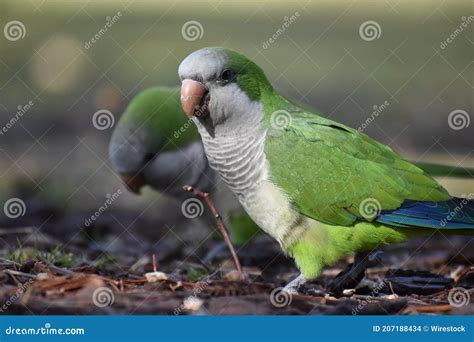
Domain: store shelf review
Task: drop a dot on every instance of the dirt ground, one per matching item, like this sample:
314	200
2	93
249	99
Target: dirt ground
103	271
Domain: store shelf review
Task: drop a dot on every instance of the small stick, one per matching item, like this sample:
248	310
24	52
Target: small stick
21	274
54	268
463	274
431	308
153	257
220	225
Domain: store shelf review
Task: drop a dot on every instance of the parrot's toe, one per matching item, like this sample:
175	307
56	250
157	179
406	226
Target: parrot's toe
293	286
290	290
377	257
350	277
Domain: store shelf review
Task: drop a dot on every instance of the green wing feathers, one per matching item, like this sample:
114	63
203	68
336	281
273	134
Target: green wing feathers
329	170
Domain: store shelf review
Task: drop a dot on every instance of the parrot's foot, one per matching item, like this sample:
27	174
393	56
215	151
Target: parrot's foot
354	273
293	286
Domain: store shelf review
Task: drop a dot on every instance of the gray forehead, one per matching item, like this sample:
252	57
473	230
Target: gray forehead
204	63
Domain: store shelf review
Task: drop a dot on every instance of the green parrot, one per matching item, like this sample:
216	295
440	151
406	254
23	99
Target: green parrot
154	144
323	190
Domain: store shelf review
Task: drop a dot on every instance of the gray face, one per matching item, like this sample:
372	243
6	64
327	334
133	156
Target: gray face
129	150
230	108
204	65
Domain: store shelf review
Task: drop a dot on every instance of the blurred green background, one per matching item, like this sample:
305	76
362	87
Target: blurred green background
320	59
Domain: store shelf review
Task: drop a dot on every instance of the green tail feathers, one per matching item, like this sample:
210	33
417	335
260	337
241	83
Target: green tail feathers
437	170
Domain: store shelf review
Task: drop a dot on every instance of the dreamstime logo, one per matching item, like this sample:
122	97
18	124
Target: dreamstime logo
102	297
457	211
287	21
22	110
103	119
280	298
192	208
377	110
108	202
370	298
280	119
109	22
458	297
193	302
14	208
370	208
192	30
18	293
370	30
183	128
46	330
14	30
465	21
458	119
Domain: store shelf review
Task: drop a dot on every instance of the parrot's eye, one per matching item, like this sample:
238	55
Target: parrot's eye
226	76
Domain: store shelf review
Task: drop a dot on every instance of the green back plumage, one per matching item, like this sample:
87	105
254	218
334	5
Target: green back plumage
329	169
158	110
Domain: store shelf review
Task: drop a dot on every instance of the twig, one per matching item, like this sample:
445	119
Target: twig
54	268
431	308
113	285
153	257
10	262
463	274
21	274
220	225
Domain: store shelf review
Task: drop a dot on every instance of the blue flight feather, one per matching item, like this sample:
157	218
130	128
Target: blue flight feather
457	213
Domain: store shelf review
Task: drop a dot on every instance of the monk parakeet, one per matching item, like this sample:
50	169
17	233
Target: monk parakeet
154	144
322	189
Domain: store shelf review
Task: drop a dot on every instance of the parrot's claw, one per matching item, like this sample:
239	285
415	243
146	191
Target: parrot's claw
293	286
290	290
354	273
376	257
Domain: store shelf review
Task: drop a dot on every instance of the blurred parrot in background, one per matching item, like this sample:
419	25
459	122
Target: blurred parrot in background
154	144
323	190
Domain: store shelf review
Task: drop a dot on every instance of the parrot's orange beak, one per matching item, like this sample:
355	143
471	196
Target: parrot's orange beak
134	182
194	98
